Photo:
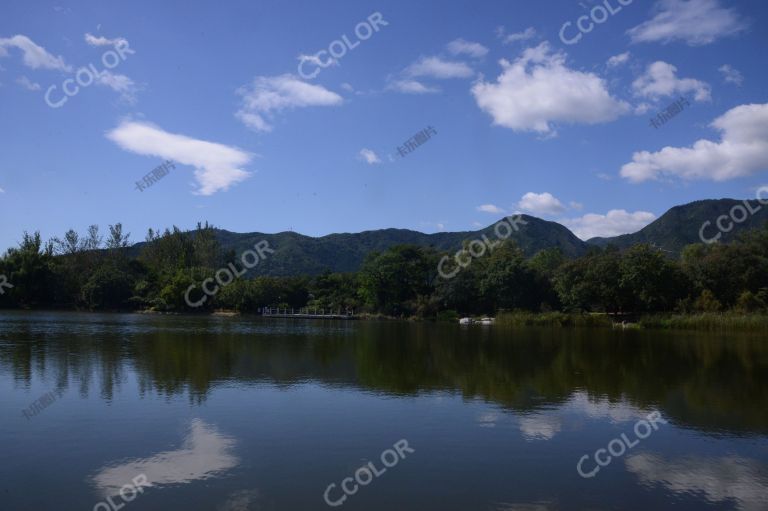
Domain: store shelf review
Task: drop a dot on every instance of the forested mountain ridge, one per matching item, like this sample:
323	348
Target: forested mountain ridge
297	254
541	266
682	225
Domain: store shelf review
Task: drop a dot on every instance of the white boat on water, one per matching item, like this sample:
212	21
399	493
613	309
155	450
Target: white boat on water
481	321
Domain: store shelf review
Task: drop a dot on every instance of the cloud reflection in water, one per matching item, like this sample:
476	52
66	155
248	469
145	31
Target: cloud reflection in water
205	453
731	478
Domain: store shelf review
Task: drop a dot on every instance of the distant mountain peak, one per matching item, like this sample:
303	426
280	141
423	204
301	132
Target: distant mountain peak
299	254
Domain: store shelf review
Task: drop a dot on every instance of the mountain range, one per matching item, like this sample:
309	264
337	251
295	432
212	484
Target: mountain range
682	225
296	254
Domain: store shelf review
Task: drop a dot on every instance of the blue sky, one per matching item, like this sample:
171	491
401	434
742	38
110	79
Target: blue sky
524	119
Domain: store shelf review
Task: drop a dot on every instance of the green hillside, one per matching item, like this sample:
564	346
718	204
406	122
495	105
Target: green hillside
296	254
680	225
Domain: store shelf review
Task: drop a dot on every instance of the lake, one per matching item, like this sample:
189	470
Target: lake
147	412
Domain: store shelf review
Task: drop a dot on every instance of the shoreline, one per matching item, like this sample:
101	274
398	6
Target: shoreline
705	321
709	321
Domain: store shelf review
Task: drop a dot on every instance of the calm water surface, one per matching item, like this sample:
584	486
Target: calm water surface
241	414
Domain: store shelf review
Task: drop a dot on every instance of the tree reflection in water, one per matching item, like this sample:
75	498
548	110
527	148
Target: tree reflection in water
711	382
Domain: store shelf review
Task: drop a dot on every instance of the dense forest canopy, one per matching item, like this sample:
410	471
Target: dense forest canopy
97	272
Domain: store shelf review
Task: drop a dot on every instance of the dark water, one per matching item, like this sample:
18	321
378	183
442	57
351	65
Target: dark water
248	414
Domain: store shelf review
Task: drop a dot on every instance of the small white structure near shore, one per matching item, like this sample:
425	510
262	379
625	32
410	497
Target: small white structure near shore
481	321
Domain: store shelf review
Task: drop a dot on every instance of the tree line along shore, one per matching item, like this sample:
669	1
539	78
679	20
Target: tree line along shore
709	286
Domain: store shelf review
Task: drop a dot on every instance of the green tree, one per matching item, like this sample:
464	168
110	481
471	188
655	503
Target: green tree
207	252
506	281
592	282
117	239
29	269
649	281
547	261
108	288
392	281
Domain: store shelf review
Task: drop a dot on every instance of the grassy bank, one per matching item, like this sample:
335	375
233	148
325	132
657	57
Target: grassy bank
704	321
559	319
708	321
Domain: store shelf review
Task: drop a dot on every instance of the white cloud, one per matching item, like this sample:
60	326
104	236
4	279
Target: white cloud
578	206
437	67
660	79
369	156
34	56
253	121
526	34
27	83
603	408
2	191
118	83
540	426
741	151
270	94
616	222
412	87
541	204
736	482
491	208
217	166
488	419
438	226
617	60
462	47
243	500
731	75
642	108
538	89
103	41
205	453
315	60
697	22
